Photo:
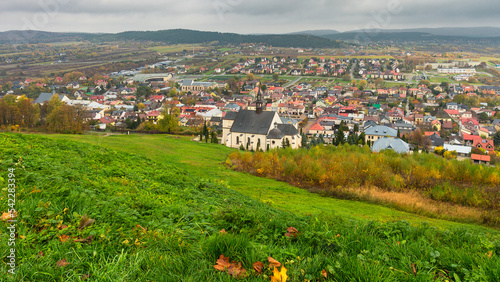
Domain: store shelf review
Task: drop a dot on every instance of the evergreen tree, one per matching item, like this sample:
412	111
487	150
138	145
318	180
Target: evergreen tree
496	139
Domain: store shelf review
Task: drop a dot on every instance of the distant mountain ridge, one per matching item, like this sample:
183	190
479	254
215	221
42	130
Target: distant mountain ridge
173	36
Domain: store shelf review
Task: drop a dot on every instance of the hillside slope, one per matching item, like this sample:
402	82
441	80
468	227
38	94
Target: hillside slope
155	221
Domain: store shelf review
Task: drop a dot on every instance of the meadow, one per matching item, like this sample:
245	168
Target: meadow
418	183
161	208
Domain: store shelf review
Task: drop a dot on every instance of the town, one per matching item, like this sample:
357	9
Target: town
404	104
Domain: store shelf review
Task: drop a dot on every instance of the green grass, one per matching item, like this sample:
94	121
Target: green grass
206	160
439	79
180	194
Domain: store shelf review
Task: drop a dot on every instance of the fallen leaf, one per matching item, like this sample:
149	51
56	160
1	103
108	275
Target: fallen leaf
223	231
85	276
61	227
273	262
414	269
236	270
222	263
489	254
258	266
279	276
324	273
85	222
40	254
338	235
62	263
292	231
22	237
86	240
8	215
35	190
64	238
138	226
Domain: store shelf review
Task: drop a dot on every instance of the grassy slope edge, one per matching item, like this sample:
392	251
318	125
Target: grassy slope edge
181	213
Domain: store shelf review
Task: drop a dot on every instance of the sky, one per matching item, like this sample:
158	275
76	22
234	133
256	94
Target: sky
239	16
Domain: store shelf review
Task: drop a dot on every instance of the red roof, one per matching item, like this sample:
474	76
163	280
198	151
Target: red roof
477	157
317	126
430	133
469	137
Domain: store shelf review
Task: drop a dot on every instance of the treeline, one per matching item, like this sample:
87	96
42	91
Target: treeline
350	171
184	36
21	113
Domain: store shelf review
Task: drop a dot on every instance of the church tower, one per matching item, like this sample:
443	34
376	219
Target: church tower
259	103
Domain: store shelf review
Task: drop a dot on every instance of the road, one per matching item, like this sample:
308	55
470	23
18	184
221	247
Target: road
292	82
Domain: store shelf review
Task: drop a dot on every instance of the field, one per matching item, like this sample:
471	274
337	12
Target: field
159	203
178	48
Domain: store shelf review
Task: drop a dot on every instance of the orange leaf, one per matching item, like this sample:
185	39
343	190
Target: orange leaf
62	263
61	227
8	215
236	270
222	263
324	273
223	231
257	266
85	276
292	230
64	238
273	262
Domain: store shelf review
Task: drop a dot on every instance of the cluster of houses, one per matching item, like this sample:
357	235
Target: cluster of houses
368	68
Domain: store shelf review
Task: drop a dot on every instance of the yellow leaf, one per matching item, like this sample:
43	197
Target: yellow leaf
279	276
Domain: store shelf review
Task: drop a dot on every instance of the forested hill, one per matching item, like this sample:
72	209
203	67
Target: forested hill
184	36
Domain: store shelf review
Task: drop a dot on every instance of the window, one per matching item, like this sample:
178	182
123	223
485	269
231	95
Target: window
237	140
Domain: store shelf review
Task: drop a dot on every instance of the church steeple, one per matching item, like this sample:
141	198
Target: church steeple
259	104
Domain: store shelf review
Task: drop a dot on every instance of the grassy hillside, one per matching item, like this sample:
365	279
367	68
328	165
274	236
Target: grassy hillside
208	161
419	183
155	220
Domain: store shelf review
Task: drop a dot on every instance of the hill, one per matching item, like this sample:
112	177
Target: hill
156	221
184	36
317	32
367	36
35	36
173	36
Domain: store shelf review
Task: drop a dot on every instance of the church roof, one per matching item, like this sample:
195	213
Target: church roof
288	129
275	134
250	122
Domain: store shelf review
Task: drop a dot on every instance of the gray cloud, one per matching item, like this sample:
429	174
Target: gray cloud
257	16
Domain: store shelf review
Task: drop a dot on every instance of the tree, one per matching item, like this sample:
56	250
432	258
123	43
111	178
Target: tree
143	92
205	132
250	76
424	82
362	84
276	76
496	139
483	117
346	77
379	82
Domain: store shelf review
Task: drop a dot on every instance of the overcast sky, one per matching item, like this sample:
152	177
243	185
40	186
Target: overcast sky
250	16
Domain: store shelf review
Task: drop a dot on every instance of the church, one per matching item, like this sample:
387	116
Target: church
258	130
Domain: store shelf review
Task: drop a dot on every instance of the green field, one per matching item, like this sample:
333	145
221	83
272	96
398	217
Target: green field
159	203
177	48
439	79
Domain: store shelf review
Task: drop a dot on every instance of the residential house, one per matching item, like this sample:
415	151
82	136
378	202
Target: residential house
395	144
374	133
